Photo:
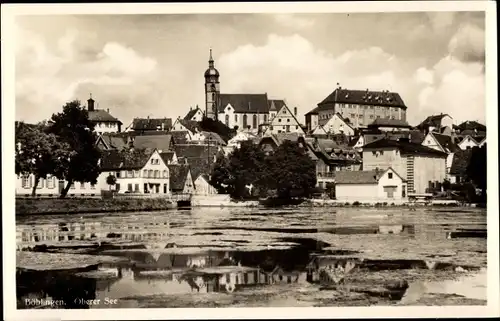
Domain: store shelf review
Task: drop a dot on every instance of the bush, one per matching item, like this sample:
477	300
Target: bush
356	203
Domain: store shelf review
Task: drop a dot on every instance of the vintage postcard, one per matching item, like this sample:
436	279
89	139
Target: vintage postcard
250	160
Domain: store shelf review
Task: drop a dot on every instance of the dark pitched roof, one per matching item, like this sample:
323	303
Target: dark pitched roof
151	123
385	122
276	104
434	120
167	156
357	177
195	151
446	142
460	162
124	160
472	133
101	115
416	136
160	142
245	103
403	147
178	176
363	97
113	141
191	113
200	166
191	125
314	111
179	137
471	125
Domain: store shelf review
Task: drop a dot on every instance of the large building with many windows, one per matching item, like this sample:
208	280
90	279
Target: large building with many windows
359	107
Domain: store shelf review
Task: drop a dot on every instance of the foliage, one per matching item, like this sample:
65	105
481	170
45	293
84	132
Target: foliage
288	172
111	180
476	170
73	127
215	126
38	152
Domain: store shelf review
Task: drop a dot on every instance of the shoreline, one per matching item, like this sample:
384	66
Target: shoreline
72	206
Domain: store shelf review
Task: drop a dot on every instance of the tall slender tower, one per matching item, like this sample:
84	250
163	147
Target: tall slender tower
212	89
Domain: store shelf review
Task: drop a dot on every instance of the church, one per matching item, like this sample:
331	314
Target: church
251	112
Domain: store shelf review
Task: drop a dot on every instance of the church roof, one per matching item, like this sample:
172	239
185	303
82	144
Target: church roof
245	103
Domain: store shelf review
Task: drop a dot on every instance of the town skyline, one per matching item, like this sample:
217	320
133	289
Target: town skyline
154	66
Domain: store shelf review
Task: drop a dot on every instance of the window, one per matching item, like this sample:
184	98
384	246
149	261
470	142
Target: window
145	173
265	118
381	152
236	118
136	188
130	173
245	121
271	127
92	186
117	175
288	120
82	185
378	116
390	175
150	174
40	183
51	182
26	181
72	186
296	127
227	120
129	187
254	121
279	120
165	174
371	116
287	128
117	187
284	111
157	173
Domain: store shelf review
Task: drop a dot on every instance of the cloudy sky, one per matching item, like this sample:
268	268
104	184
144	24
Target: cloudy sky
153	65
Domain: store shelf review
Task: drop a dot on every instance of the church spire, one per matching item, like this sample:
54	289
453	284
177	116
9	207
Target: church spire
211	60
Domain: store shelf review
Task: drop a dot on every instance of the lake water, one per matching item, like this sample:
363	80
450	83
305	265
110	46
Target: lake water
208	257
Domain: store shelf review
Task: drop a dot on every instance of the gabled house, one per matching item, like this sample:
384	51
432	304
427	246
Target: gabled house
136	171
370	185
205	137
274	106
107	141
469	142
442	123
161	143
194	114
181	181
470	125
284	122
186	126
247	111
270	143
103	121
443	143
143	125
169	157
419	165
337	125
203	186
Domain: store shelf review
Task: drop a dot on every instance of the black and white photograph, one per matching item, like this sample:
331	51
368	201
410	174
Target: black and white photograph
257	155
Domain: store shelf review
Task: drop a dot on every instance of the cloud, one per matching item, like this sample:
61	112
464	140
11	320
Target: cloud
293	21
441	20
468	44
49	76
291	67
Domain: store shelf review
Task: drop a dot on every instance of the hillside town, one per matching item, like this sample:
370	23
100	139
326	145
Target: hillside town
359	139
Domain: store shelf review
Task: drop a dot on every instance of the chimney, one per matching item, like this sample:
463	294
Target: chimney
295	111
90	103
108	110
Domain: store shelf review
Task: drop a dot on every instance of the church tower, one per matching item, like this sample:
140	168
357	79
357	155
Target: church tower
212	89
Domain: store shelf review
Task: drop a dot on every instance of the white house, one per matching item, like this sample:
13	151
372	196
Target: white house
181	180
102	119
337	125
52	187
372	185
441	123
194	114
443	143
240	137
136	171
188	126
204	137
203	187
469	142
284	122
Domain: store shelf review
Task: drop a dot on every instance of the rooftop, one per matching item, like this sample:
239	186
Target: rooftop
101	115
245	103
358	177
363	97
152	123
403	147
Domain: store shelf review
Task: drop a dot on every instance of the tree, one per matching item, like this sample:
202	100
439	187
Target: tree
38	152
291	171
243	167
73	127
111	180
215	126
476	169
